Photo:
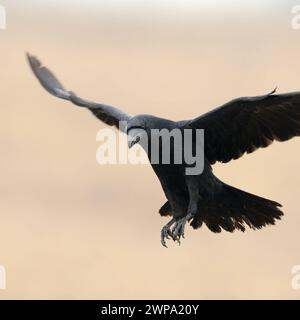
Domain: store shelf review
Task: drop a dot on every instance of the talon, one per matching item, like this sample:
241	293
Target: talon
163	237
175	232
166	233
179	228
172	236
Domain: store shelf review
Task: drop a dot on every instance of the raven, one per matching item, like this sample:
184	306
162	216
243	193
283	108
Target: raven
240	126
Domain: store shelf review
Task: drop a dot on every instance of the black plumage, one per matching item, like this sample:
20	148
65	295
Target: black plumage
238	127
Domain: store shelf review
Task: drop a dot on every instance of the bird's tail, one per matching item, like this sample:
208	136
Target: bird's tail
232	209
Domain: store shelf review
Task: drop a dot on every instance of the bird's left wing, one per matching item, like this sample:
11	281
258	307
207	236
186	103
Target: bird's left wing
108	114
245	124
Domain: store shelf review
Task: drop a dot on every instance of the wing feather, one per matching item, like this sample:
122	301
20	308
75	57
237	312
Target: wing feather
108	114
246	124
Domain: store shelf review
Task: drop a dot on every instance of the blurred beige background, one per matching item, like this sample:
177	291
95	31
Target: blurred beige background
71	228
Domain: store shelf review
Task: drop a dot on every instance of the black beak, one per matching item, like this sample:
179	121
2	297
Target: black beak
134	141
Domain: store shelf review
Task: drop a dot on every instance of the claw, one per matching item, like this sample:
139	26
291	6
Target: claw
166	233
179	228
176	232
164	236
163	242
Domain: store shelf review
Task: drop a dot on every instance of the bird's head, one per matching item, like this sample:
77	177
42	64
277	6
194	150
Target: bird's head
139	128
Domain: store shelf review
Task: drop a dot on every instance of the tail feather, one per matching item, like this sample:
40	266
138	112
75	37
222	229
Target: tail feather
165	210
232	209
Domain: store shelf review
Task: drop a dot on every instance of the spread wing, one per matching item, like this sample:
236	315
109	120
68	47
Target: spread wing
108	114
246	124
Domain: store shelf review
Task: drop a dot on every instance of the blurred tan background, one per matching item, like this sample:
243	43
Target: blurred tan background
71	228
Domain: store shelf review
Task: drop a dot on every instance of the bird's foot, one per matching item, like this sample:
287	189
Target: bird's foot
179	228
174	230
166	233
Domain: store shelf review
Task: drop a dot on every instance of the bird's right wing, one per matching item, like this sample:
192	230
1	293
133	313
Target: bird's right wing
108	114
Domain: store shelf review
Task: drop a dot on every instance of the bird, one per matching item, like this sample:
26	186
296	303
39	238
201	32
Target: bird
237	127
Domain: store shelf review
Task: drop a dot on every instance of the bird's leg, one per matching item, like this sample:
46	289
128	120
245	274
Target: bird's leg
178	230
193	188
166	232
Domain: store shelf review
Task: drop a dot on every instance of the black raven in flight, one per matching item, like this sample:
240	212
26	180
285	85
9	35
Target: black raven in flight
239	126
